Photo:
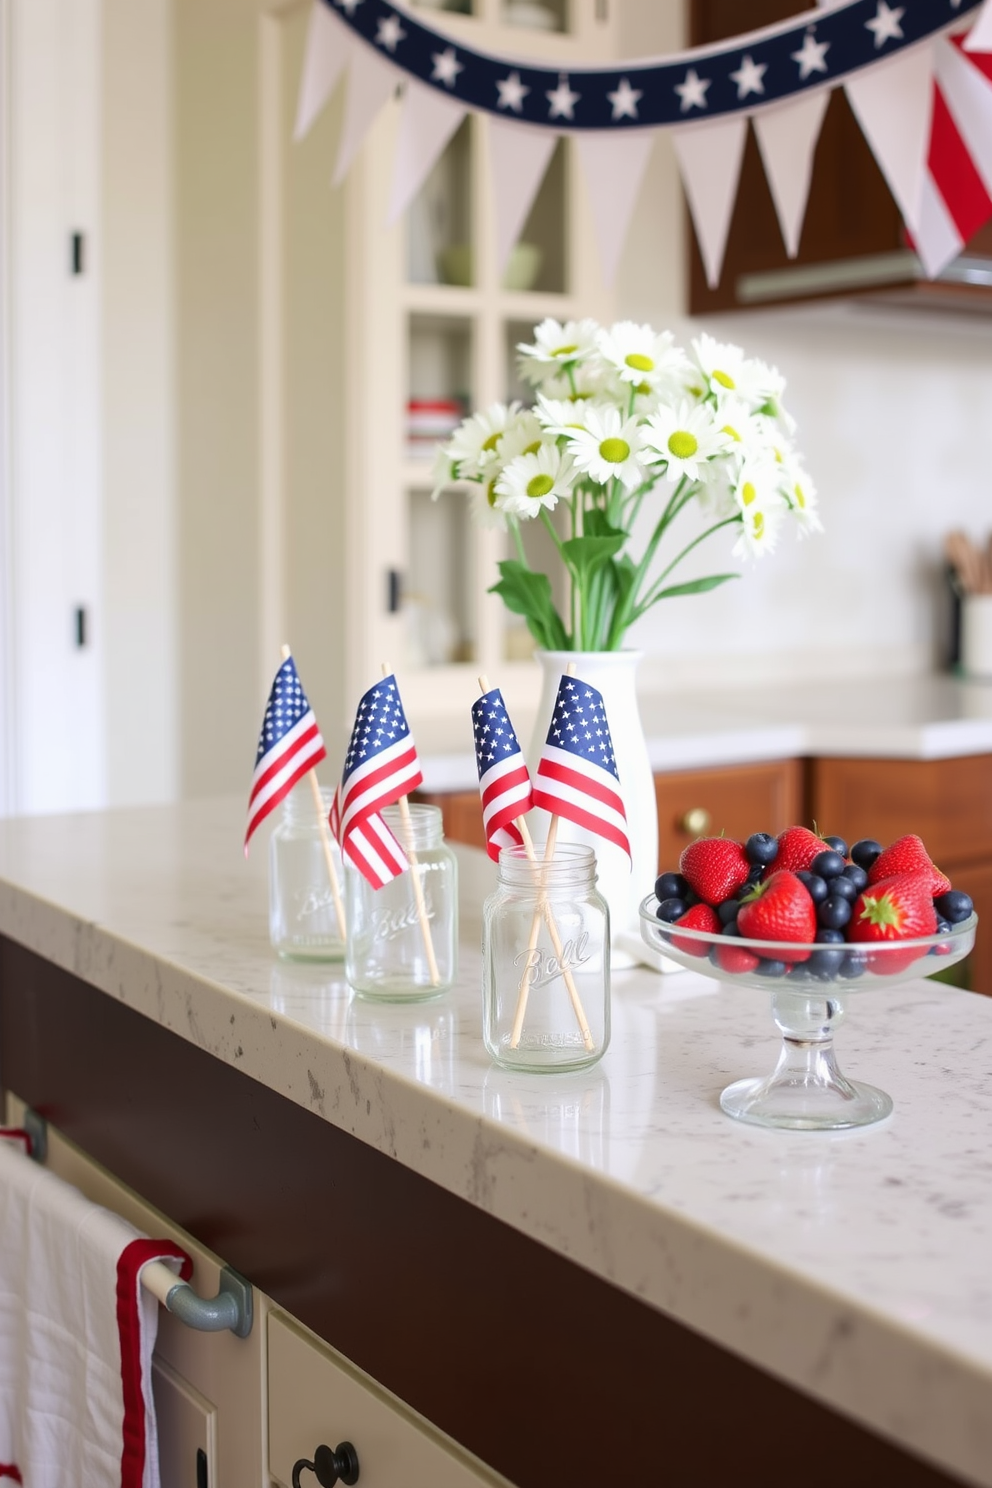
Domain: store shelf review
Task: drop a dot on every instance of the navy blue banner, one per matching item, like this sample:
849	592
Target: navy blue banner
815	49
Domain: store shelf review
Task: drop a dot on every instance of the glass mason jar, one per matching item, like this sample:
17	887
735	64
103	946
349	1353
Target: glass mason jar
403	944
546	961
303	921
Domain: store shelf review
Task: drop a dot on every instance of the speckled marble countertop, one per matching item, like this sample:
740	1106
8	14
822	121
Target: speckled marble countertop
933	717
855	1266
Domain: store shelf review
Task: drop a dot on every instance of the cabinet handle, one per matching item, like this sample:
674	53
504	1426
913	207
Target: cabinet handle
696	821
330	1467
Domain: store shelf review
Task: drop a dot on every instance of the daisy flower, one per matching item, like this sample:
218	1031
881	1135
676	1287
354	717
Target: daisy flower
474	446
561	416
640	356
800	495
761	506
684	438
556	346
608	447
533	481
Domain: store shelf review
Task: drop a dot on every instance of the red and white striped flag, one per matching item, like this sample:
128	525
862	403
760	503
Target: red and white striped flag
289	745
956	191
381	765
504	780
577	776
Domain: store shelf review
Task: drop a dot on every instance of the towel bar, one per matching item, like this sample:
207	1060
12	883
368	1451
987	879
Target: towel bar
232	1308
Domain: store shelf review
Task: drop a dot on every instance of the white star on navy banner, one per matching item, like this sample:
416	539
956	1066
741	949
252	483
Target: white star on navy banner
390	33
748	77
625	100
512	92
885	25
446	67
812	56
692	91
562	100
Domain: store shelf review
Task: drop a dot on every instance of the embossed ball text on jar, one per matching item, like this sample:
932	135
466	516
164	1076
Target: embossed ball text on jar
403	937
303	921
546	961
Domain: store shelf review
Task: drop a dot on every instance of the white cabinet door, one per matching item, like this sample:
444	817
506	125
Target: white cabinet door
316	1397
187	1430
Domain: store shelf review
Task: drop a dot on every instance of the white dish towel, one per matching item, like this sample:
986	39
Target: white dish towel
77	1330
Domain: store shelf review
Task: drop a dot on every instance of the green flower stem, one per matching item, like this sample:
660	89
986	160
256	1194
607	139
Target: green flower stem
624	614
651	597
515	529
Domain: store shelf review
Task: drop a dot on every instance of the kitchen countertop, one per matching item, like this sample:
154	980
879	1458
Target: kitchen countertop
934	717
853	1265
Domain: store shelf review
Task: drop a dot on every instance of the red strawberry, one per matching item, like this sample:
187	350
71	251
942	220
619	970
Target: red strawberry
780	909
714	867
736	958
896	908
908	855
699	917
797	847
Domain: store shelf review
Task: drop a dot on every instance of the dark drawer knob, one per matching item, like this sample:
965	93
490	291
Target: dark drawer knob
339	1465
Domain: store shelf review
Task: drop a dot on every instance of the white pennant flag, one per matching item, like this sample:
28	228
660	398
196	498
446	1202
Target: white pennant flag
614	162
329	45
787	136
893	103
979	38
709	157
371	80
519	155
427	124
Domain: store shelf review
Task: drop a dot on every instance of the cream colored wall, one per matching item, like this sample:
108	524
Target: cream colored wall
140	600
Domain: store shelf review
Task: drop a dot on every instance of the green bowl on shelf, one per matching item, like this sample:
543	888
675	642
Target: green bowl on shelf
455	265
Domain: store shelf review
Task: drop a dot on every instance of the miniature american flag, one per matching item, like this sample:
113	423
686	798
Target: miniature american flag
288	746
381	765
504	780
577	775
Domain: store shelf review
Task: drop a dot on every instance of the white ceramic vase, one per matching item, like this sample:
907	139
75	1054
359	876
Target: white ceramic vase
622	885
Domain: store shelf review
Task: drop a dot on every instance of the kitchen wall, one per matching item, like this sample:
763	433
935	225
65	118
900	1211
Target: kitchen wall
889	405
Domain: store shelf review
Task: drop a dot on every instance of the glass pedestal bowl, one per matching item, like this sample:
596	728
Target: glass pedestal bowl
809	986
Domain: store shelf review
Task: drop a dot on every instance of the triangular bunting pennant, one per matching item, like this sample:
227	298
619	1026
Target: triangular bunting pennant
967	88
956	198
787	138
893	105
709	157
428	122
979	38
519	156
614	165
370	82
329	45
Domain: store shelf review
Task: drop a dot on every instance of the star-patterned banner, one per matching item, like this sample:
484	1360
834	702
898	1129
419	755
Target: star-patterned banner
777	77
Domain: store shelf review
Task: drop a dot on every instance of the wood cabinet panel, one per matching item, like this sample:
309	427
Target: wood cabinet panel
461	813
976	879
734	799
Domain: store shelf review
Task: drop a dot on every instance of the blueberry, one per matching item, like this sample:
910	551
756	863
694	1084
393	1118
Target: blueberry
800	972
834	912
943	927
829	937
843	887
865	852
857	875
954	906
827	963
827	864
714	954
761	848
732	928
816	887
838	844
853	964
728	910
671	909
755	875
670	886
691	897
771	968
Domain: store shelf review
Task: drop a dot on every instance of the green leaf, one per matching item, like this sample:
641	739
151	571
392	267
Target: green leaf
529	594
694	586
585	555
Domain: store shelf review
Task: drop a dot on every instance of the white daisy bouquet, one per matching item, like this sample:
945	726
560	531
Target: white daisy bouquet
625	422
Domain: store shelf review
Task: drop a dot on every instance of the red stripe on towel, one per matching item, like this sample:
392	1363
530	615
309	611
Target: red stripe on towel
16	1134
132	1258
8	1470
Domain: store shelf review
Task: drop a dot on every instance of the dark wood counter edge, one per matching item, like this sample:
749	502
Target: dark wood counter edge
543	1370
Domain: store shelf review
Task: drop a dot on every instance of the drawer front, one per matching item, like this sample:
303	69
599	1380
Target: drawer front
946	802
461	813
316	1396
736	800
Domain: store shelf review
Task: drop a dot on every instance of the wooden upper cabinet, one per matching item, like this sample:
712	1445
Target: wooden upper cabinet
853	240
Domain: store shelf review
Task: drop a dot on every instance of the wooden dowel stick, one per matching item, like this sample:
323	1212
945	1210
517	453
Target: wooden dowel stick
545	912
418	891
325	840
